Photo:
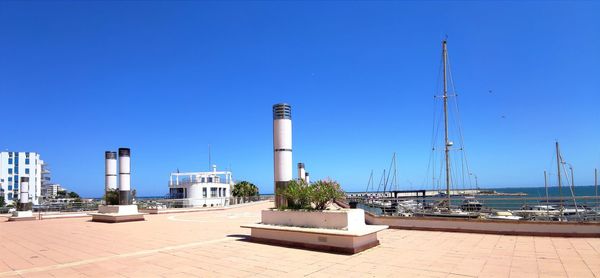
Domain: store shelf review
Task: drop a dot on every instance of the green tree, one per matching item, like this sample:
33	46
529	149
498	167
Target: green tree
244	189
2	202
73	195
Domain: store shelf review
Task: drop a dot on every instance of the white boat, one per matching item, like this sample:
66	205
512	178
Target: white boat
503	215
538	212
471	204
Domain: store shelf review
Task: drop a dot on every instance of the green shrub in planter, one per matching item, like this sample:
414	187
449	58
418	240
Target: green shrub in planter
325	191
297	194
317	195
112	197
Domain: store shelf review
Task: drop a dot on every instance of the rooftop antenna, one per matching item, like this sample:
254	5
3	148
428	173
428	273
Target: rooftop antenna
209	160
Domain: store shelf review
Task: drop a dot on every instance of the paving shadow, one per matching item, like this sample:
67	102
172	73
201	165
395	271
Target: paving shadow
240	237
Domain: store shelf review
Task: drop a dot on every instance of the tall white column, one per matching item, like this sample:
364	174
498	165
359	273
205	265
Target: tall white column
301	172
24	204
124	176
110	163
24	195
282	147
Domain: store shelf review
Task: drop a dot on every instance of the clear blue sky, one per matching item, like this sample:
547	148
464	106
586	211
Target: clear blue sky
168	78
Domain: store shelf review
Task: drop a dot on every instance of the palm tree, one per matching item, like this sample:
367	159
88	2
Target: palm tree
244	189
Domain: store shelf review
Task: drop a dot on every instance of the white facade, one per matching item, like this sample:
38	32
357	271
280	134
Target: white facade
282	143
13	166
51	190
202	188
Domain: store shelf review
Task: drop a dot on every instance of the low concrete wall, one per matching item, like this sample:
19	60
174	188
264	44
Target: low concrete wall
346	244
344	219
505	227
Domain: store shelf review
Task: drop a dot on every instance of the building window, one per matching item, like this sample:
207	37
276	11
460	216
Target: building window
27	171
27	154
26	161
10	196
10	171
10	154
16	186
10	160
213	192
204	192
10	187
16	169
9	179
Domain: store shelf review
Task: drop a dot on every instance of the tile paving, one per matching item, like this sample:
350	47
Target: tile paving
211	244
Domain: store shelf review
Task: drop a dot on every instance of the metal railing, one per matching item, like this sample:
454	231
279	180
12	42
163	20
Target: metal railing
71	207
142	203
579	208
164	203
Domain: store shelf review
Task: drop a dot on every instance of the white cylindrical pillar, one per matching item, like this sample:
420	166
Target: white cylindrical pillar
301	172
124	176
307	178
282	147
110	166
24	195
24	204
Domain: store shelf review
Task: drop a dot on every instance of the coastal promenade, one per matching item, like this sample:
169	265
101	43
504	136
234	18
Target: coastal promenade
212	244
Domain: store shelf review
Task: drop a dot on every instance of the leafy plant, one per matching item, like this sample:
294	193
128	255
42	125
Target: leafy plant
112	197
244	189
325	191
317	195
297	195
2	202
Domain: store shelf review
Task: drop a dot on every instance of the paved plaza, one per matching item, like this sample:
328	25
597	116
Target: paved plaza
212	244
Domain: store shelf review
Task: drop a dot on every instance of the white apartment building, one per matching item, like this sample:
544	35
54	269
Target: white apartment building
13	166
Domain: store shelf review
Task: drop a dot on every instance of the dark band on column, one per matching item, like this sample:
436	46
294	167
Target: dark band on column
124	152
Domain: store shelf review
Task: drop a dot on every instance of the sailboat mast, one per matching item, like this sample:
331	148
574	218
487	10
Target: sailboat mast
596	186
546	187
446	142
558	161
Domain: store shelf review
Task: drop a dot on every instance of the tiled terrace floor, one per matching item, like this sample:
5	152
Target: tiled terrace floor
207	244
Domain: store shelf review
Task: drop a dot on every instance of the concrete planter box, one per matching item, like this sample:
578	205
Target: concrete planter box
115	214
22	216
340	231
345	219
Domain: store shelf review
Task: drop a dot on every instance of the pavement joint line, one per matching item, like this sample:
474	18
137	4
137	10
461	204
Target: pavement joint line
106	258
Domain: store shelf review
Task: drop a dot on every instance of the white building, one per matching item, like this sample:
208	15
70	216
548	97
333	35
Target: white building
51	190
13	166
202	188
